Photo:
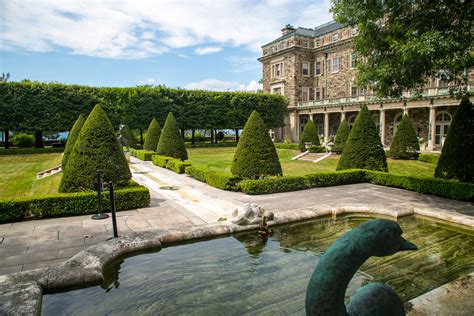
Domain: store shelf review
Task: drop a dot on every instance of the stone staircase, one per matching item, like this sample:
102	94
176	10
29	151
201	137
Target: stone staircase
49	172
313	157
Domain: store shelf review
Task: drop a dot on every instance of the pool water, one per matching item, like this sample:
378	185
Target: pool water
241	274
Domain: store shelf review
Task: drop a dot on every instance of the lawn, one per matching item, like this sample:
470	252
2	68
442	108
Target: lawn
18	175
220	159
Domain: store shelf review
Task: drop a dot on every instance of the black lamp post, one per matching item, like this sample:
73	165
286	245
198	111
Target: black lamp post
99	214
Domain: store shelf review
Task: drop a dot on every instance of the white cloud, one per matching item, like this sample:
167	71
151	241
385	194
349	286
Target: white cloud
139	29
219	85
207	50
148	81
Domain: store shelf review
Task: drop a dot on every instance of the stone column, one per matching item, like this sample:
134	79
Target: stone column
432	129
294	117
310	117
343	116
326	128
382	126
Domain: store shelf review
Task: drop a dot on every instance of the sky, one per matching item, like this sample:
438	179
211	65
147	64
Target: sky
192	44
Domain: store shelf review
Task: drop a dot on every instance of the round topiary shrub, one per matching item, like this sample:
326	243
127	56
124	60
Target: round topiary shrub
255	155
405	142
128	135
152	136
23	140
341	137
171	144
456	160
96	148
309	135
363	148
71	139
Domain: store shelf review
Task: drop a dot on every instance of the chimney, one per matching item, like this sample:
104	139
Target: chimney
287	29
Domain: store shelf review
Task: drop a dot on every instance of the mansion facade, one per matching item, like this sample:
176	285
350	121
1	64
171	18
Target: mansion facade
316	70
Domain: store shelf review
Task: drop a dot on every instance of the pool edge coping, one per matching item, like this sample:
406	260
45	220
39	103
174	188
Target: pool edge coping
21	292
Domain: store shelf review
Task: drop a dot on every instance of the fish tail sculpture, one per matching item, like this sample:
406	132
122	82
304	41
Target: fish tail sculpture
328	283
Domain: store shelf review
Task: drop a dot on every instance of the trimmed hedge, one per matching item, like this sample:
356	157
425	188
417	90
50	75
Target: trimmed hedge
171	144
215	179
152	136
445	188
30	151
23	140
203	145
143	154
317	149
327	179
429	158
405	142
170	163
341	137
71	140
68	204
309	135
286	146
127	133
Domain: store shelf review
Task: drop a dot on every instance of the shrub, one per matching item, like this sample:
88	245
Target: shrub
128	135
202	145
96	148
160	161
287	146
143	154
71	139
450	189
220	136
23	140
325	179
363	149
68	204
429	158
456	160
152	136
255	155
215	179
309	135
29	151
317	149
176	165
341	137
405	142
273	185
170	143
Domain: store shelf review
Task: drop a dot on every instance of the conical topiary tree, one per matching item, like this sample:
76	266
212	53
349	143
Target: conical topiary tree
128	135
309	135
405	142
71	139
96	148
171	144
152	136
255	155
456	160
363	148
341	137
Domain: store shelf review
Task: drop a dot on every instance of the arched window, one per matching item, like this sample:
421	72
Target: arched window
351	120
303	120
396	120
443	120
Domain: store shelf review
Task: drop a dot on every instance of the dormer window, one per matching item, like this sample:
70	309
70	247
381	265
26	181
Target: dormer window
318	43
306	44
335	37
277	70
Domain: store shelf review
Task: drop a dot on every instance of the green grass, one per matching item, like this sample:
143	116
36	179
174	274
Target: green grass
220	159
18	176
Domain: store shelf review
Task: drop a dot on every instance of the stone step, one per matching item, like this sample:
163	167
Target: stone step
49	172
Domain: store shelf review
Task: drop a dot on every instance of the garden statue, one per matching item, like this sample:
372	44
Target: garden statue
328	283
250	214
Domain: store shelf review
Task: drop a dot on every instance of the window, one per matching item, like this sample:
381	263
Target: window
353	60
353	91
276	90
336	64
318	43
319	125
318	69
277	70
305	94
335	37
317	94
305	44
305	70
284	45
443	83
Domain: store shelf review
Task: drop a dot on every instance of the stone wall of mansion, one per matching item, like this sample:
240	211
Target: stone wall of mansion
316	70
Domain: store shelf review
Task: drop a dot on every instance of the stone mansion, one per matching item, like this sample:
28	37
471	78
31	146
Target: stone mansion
315	69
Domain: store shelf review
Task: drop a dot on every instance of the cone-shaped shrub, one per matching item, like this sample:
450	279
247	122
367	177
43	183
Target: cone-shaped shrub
128	135
309	135
341	137
152	136
363	148
96	148
405	142
71	140
171	144
255	155
456	160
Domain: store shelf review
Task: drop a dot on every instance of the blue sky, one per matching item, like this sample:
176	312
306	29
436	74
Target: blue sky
179	43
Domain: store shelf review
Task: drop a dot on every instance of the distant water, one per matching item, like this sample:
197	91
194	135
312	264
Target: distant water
242	275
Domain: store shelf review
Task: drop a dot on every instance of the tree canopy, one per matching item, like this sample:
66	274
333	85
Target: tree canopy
401	44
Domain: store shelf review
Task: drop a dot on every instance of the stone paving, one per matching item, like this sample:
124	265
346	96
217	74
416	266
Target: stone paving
42	243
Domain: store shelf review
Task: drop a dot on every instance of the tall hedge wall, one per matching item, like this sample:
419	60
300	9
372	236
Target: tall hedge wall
54	107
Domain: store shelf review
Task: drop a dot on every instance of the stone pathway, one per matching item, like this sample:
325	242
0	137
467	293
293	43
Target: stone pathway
41	243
